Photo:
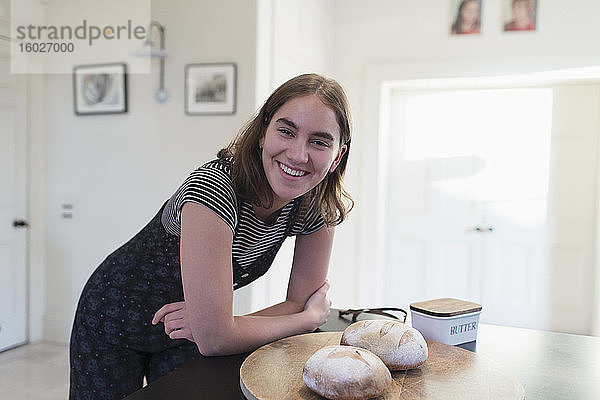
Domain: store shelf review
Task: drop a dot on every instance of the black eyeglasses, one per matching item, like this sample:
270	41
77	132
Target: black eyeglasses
386	312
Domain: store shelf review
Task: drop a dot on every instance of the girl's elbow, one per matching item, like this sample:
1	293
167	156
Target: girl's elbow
211	346
208	351
214	339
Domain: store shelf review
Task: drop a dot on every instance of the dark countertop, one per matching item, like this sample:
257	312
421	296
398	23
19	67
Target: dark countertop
549	365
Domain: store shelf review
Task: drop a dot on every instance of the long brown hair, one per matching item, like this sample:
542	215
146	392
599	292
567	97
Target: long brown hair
247	173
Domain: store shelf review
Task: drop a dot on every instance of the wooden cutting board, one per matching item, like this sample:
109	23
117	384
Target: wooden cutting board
274	372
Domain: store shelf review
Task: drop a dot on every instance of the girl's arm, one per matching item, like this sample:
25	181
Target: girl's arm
309	271
207	277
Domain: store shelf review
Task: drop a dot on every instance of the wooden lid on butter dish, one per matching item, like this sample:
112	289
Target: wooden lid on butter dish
446	307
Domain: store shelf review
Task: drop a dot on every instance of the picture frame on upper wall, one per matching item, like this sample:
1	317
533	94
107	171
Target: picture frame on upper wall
520	15
100	89
465	17
210	88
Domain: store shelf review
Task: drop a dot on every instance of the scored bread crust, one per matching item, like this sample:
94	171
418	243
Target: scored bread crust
346	373
398	345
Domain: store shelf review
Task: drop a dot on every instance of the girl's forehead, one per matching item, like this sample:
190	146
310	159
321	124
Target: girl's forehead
308	112
301	105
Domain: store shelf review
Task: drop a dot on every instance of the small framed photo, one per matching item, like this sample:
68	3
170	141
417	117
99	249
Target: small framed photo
100	89
210	88
520	15
465	18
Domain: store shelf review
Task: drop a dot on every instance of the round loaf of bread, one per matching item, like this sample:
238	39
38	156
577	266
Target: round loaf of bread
346	373
398	345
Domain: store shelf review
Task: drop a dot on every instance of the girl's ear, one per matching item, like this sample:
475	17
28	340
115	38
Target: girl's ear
337	160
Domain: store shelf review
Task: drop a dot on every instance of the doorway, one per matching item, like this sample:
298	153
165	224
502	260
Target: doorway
13	203
480	187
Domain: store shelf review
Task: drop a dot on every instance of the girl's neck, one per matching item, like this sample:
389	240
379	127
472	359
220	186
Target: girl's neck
268	215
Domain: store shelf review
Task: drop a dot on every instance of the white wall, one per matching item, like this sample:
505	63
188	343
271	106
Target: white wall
383	40
296	37
117	170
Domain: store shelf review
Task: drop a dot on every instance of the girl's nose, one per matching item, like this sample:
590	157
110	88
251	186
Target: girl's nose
297	151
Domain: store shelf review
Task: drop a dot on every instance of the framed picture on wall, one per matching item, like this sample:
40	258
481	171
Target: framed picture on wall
100	89
210	88
520	15
465	17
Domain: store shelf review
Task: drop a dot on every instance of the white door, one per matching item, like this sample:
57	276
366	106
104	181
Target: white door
431	249
468	192
13	273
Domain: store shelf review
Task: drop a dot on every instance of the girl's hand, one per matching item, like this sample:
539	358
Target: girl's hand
318	305
173	316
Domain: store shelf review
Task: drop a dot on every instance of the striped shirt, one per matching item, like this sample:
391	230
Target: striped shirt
253	240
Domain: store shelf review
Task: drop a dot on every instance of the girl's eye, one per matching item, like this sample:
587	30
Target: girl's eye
321	143
286	132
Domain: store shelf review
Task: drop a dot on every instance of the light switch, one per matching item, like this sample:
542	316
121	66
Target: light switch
67	211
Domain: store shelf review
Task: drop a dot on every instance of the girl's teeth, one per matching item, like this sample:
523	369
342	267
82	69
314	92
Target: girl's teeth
290	171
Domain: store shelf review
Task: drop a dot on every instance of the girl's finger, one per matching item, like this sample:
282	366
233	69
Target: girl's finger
160	314
172	325
173	316
180	334
164	310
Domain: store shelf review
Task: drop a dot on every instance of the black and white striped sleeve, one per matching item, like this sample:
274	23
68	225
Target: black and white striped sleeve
313	222
210	187
310	221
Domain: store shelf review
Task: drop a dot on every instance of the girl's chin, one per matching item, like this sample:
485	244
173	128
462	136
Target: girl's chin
285	195
284	198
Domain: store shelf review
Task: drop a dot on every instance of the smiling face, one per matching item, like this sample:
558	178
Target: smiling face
300	146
